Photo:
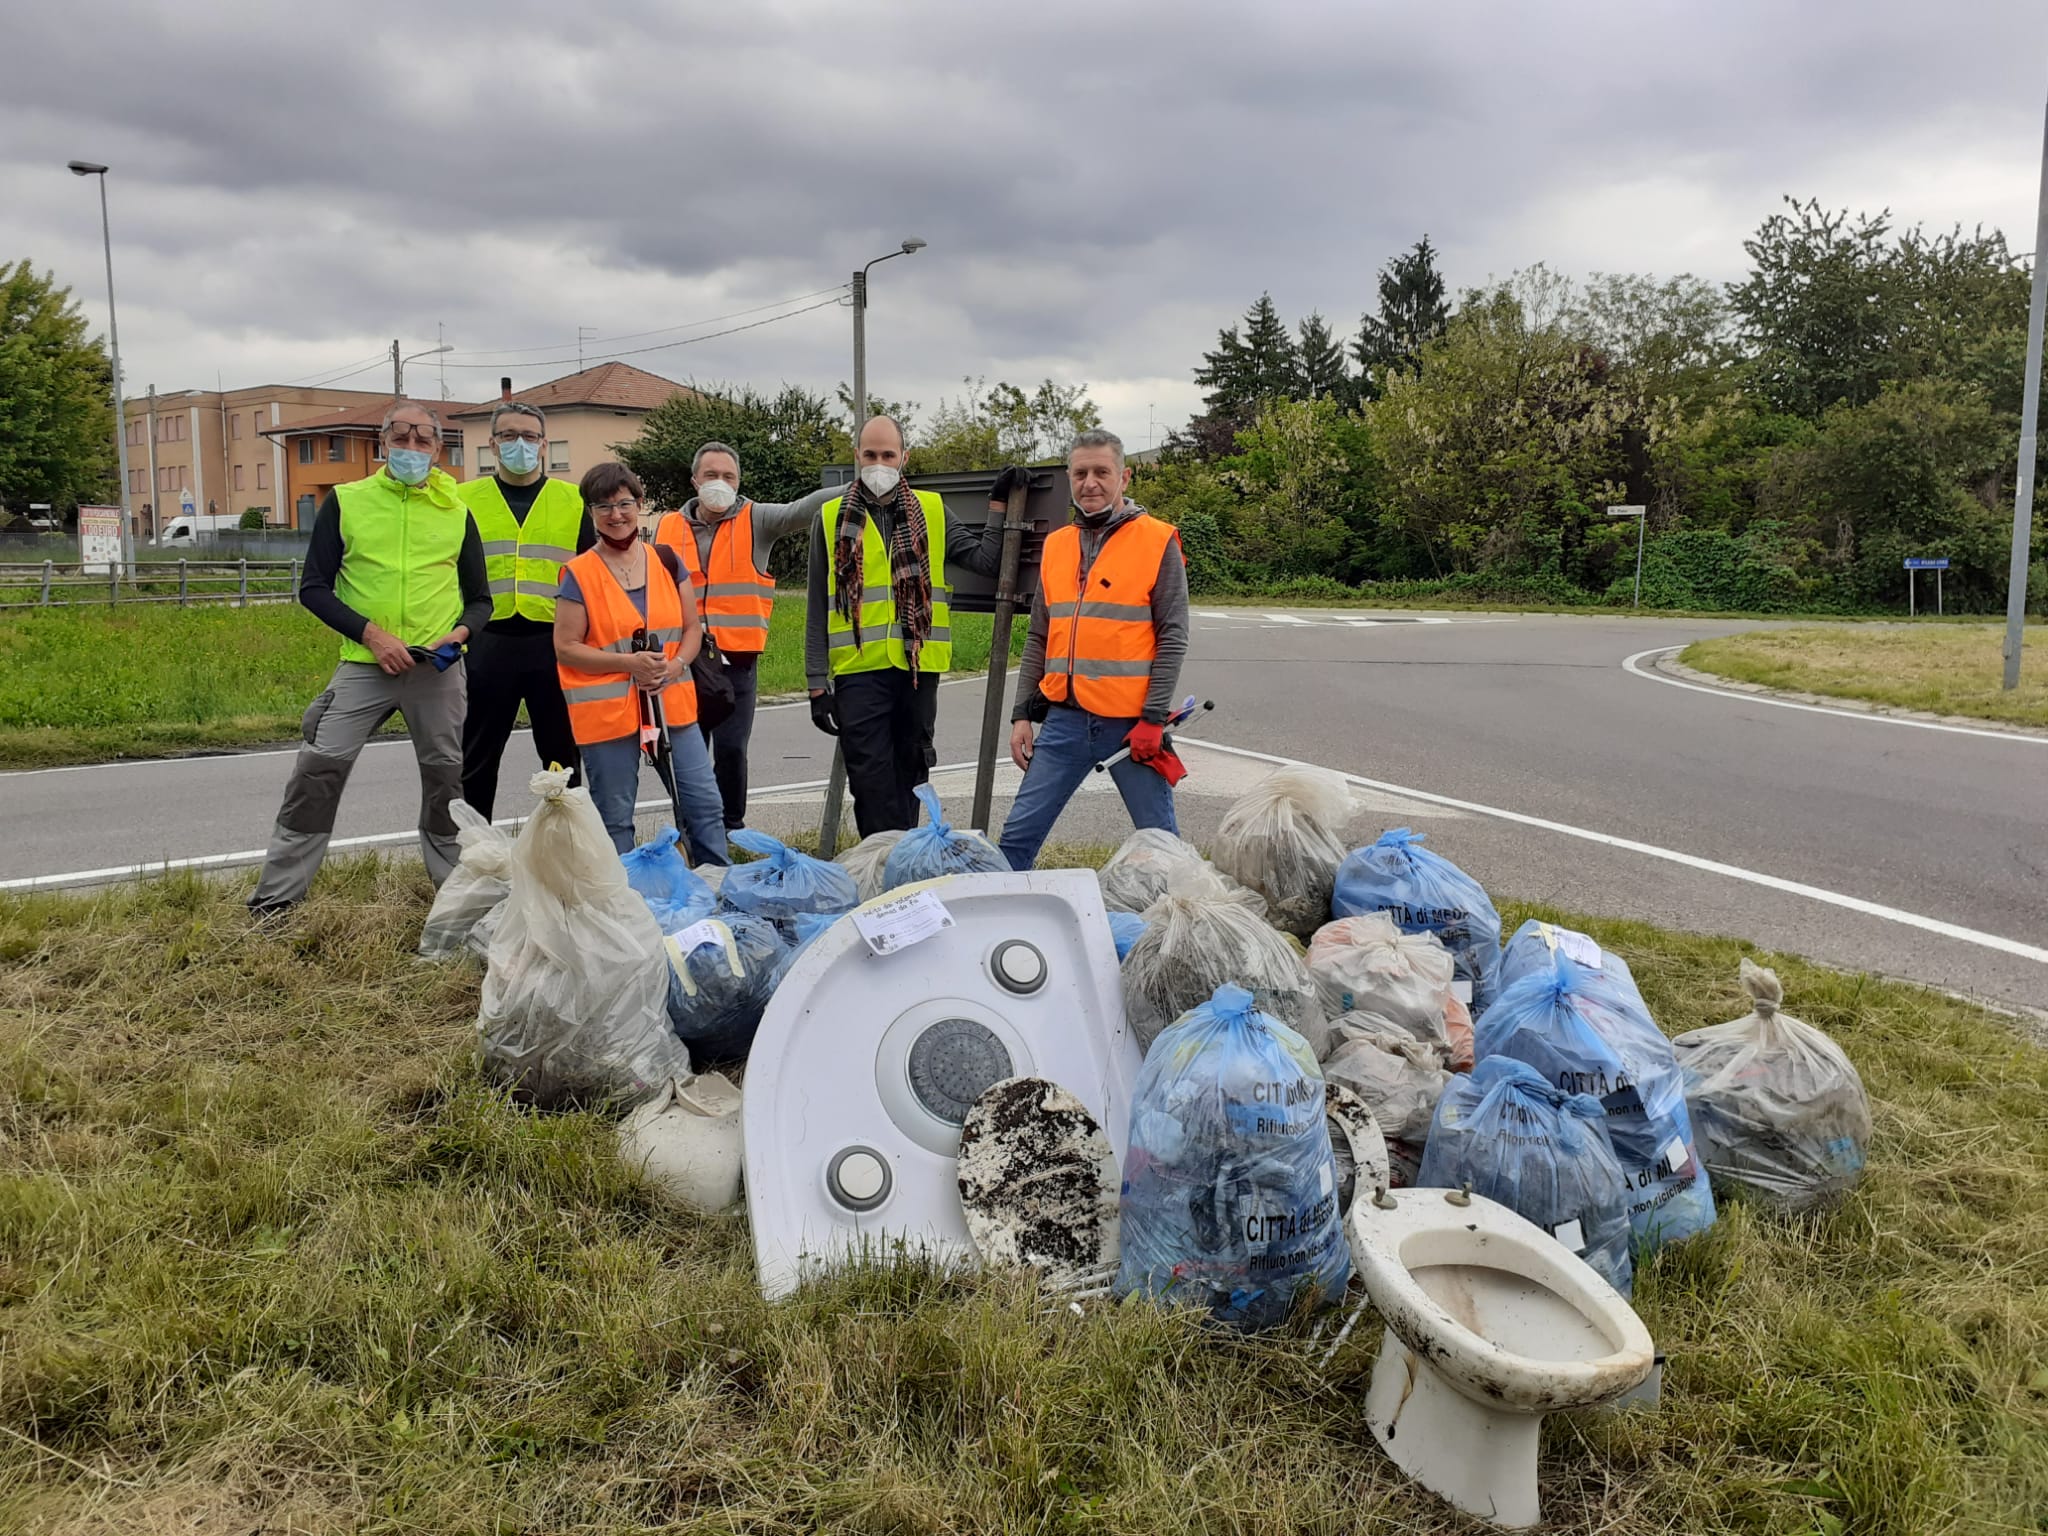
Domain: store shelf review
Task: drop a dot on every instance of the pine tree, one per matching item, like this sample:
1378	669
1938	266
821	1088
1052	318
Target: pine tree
1272	360
1226	375
1323	372
1412	314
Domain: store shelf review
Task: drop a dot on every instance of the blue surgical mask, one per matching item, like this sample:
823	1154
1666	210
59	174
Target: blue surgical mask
409	466
519	457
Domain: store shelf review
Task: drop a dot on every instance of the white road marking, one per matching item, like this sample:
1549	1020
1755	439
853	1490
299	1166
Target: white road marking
1631	665
1934	925
1285	618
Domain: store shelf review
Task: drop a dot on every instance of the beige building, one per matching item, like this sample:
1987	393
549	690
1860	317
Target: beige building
209	447
588	413
335	447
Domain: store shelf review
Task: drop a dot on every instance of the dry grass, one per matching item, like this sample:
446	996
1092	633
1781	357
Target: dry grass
1949	669
273	1259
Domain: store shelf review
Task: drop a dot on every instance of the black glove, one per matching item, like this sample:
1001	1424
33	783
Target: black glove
822	715
1009	480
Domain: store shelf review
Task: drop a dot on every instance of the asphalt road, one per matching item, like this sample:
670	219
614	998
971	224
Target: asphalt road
1858	842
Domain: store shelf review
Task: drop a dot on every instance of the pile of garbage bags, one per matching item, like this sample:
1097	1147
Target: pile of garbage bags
1540	1151
1368	966
935	849
1779	1110
674	893
783	883
575	994
1229	1187
1282	838
1424	893
474	888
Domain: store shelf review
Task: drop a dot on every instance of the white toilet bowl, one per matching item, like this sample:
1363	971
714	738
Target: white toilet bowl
1491	1323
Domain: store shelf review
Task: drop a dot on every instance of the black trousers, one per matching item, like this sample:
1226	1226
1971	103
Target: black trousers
885	731
729	742
504	672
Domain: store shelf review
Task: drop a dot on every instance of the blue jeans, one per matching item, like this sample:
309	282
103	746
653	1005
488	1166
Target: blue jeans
1070	744
612	770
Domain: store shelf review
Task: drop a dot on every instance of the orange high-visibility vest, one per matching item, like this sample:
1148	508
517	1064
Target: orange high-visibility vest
603	706
734	597
1099	643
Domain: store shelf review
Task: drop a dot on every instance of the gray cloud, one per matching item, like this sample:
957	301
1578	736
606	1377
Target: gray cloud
1102	187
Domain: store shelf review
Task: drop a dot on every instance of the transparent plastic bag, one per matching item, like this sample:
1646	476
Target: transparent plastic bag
480	880
1194	943
867	859
1368	966
574	1007
1779	1109
1398	1076
1284	839
1587	1034
1425	893
1543	1153
935	849
1137	873
722	972
665	881
1230	1187
782	883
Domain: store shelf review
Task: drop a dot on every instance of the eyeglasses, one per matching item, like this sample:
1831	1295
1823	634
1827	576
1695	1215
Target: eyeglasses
630	504
419	437
519	437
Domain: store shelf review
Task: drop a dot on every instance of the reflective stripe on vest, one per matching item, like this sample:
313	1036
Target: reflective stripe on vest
524	560
734	598
604	706
400	546
1099	644
881	636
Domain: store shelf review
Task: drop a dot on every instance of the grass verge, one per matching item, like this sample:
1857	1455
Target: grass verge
272	1258
81	685
1949	669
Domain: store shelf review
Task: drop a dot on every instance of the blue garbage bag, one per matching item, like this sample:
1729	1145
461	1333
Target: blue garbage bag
722	971
1586	1034
1536	942
1126	928
674	893
1424	893
935	849
1541	1152
783	883
808	926
1230	1187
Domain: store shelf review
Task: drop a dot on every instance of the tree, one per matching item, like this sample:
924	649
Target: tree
784	442
1658	339
902	412
1323	373
1301	469
989	427
1262	364
56	425
1412	314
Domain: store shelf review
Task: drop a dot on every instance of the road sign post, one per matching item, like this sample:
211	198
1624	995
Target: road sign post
1916	564
1640	514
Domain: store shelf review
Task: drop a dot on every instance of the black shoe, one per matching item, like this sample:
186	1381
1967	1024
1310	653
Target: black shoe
268	913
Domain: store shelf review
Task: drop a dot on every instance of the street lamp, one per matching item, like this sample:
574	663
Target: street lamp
398	364
93	168
860	335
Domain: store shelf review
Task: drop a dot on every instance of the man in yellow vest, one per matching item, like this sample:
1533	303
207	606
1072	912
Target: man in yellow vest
878	634
396	568
1108	633
723	540
531	526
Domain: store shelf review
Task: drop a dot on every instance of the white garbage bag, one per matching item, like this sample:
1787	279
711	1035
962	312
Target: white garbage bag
686	1139
478	883
1399	1077
1778	1108
1194	942
866	860
1137	873
1283	839
575	1000
1369	967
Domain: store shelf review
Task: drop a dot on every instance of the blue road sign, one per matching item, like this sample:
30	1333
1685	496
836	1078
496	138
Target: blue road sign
1928	565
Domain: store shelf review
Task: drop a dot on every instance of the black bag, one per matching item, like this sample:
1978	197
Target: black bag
714	689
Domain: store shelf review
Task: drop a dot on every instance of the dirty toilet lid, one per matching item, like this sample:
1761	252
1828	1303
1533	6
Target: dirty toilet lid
1038	1181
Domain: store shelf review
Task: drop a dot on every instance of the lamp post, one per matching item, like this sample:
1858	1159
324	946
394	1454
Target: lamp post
398	365
2030	407
93	168
860	335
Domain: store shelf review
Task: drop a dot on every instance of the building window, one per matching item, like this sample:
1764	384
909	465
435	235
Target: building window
558	458
235	426
262	477
305	450
486	461
337	450
455	455
238	477
306	509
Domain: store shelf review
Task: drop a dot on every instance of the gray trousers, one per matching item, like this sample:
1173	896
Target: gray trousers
360	697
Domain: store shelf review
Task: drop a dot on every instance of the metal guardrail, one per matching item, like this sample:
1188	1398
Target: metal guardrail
55	584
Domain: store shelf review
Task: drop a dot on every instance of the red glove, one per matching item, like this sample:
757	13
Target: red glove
1168	766
1146	741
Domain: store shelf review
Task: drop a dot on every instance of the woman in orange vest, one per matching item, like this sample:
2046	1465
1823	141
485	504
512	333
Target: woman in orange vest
619	588
1108	633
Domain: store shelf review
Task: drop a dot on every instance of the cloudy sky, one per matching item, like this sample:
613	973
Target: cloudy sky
1102	185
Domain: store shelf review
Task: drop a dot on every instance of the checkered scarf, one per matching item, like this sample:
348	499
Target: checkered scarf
910	566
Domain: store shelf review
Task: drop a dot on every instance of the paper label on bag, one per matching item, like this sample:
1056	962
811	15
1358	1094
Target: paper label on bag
1577	948
1675	1155
697	935
1571	1234
888	926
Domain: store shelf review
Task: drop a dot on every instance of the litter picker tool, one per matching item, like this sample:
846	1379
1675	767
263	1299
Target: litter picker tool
656	745
1180	716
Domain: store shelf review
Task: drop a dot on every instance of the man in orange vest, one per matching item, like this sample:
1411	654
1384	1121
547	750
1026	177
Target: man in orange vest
723	540
1109	630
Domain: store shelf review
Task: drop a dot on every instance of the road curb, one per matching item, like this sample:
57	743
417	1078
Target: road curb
1670	666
